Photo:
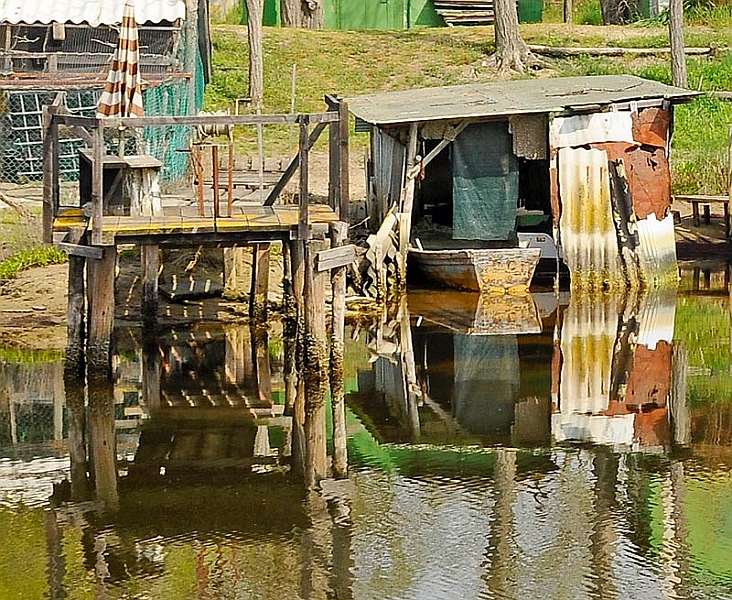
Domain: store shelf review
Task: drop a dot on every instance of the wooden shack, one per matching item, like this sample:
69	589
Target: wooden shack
576	163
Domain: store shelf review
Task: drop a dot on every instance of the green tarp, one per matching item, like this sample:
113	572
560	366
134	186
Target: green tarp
485	183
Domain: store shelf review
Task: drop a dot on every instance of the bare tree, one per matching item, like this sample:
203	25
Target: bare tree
291	13
512	53
619	12
255	12
302	13
676	35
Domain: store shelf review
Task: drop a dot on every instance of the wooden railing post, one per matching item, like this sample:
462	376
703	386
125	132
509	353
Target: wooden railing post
50	172
97	195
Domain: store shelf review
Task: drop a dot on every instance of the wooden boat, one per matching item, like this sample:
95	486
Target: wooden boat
489	270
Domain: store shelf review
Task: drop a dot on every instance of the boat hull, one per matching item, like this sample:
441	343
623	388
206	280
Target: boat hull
494	270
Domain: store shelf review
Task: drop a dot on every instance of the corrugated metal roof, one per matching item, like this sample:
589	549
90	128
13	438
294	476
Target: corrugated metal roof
94	12
508	98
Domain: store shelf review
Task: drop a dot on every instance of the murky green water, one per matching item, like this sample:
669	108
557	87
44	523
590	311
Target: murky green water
549	449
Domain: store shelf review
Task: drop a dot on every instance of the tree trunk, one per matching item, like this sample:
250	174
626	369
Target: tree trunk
291	13
676	35
512	53
313	15
619	12
255	10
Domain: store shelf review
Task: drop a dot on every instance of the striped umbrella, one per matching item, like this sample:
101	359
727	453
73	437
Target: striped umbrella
122	95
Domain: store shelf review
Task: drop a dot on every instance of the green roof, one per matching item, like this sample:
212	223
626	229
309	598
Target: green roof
504	98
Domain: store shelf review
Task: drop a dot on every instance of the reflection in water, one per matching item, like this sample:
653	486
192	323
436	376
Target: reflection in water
540	449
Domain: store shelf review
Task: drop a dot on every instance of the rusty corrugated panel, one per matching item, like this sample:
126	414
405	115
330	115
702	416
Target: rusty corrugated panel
650	181
650	126
93	12
650	378
587	229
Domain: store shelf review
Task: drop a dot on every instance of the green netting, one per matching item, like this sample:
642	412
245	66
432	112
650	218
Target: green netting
485	183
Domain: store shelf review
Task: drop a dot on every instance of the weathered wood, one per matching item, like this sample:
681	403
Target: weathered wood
339	234
198	172
151	372
315	369
150	259
97	192
303	230
405	204
234	272
343	162
50	173
255	13
94	252
272	119
259	283
75	332
216	189
333	258
100	293
562	51
76	420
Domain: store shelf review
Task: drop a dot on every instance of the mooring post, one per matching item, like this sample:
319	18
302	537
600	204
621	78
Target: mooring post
338	232
260	283
315	373
100	292
150	259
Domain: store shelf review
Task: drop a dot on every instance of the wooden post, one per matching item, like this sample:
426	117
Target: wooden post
97	194
50	172
343	161
100	278
150	258
339	232
151	372
233	272
259	283
198	169
315	371
75	317
405	204
260	360
303	230
680	418
216	191
568	12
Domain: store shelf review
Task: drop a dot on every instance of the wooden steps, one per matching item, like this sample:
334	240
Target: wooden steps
465	12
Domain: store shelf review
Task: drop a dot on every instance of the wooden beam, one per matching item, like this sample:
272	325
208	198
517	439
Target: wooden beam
274	119
343	162
335	257
604	51
93	252
339	234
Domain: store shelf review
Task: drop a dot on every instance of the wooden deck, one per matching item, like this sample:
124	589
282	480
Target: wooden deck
249	222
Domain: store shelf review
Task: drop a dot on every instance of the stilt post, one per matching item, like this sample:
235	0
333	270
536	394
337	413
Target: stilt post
338	232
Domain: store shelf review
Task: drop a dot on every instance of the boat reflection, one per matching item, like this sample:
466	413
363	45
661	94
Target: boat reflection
454	367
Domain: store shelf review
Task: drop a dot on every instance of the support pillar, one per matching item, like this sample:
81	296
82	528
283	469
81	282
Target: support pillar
150	259
260	283
100	277
75	332
339	231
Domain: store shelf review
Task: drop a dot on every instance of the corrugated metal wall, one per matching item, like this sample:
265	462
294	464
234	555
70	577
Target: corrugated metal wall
367	14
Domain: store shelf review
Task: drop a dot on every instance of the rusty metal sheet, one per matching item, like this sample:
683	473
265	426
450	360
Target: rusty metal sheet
650	182
650	126
650	378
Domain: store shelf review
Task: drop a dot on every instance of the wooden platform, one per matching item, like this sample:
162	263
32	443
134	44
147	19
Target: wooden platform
249	222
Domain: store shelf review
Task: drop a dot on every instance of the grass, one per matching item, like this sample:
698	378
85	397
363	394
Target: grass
32	257
370	61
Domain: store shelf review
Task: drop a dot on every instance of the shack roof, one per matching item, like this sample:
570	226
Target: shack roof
506	98
93	12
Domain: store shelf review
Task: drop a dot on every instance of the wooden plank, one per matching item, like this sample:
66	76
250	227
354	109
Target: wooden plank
334	258
94	252
273	119
76	121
